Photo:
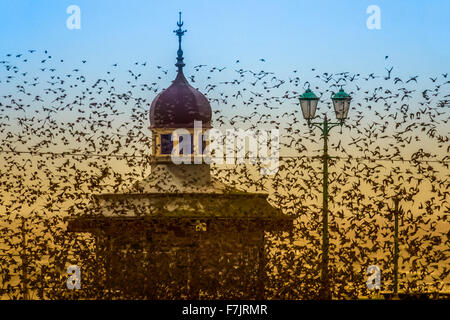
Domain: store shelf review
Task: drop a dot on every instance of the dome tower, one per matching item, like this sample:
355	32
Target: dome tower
178	107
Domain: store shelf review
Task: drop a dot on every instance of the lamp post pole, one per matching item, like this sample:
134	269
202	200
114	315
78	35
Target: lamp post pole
325	278
396	209
325	128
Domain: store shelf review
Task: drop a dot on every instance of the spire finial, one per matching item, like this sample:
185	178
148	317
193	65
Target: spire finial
179	32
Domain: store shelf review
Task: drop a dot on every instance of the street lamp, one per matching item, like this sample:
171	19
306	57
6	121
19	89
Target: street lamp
341	102
308	103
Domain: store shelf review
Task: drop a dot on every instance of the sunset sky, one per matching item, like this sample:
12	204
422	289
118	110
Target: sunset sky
46	106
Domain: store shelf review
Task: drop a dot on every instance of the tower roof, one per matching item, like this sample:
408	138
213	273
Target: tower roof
180	104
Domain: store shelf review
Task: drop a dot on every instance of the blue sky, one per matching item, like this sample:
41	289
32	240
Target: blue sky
328	35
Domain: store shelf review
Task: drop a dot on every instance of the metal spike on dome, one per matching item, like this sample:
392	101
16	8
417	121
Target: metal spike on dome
179	32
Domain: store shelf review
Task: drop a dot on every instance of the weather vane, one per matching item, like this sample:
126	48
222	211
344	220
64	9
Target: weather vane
179	32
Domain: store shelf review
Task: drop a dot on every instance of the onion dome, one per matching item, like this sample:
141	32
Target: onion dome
180	104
